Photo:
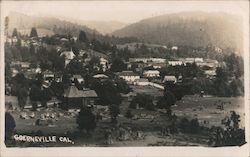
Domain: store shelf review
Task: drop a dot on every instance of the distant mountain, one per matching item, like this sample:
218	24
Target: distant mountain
44	25
103	27
188	28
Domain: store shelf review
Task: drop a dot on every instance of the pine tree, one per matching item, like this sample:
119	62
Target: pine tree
33	32
14	34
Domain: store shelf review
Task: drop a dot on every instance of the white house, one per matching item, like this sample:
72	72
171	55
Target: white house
48	75
197	60
128	76
174	63
210	73
145	60
68	56
23	65
141	82
169	78
104	63
151	73
175	48
79	78
100	76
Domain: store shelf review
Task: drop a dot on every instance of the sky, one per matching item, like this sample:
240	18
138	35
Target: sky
123	11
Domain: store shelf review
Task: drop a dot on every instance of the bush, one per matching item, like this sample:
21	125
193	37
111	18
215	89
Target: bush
232	135
86	120
194	126
191	126
184	125
114	110
144	101
129	114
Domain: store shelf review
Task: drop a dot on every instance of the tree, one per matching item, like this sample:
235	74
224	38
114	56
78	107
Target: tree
22	95
10	125
184	125
94	65
194	126
235	65
15	33
96	45
166	102
82	37
33	32
232	135
75	66
86	120
35	95
118	65
114	110
107	92
129	114
46	96
237	87
221	74
20	84
144	101
122	86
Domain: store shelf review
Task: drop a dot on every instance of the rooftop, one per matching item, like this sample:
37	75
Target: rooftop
73	92
127	73
100	76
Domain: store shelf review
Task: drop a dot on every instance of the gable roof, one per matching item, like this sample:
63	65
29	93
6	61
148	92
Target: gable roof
151	72
100	76
89	94
169	78
73	92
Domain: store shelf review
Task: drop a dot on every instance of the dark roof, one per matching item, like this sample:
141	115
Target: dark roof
73	92
89	94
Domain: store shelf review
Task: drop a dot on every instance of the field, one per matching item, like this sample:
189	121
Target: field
147	121
206	109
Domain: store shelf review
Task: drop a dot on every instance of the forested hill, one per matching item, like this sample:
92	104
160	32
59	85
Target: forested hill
45	25
50	26
189	28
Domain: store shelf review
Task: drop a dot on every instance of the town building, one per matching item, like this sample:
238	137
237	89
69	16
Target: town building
23	65
176	62
100	76
210	73
141	82
74	98
79	78
104	64
128	76
174	48
151	73
48	75
146	60
169	78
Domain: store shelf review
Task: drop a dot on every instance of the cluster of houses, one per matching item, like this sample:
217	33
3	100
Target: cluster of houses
140	76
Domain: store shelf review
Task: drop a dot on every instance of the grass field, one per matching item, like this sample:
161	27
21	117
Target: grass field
190	107
206	109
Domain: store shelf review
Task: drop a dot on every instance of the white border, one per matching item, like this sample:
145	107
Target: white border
134	151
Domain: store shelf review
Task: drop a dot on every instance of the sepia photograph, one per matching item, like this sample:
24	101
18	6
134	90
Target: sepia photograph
125	74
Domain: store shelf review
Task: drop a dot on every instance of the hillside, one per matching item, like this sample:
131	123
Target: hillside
103	27
47	25
188	28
